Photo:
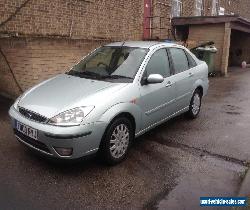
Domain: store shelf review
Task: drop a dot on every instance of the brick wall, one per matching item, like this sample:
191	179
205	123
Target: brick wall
233	7
240	7
36	59
110	19
114	19
8	86
162	10
160	23
188	7
47	37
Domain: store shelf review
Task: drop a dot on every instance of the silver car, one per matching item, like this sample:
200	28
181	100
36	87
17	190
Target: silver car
114	94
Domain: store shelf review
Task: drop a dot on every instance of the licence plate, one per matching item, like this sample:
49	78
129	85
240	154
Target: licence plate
26	130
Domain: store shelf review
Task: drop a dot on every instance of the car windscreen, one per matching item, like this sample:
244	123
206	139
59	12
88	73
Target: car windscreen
111	63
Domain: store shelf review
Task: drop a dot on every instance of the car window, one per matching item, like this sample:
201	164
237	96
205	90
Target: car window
179	58
101	58
159	64
116	63
191	61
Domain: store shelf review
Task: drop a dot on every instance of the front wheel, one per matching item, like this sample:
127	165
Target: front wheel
116	141
195	105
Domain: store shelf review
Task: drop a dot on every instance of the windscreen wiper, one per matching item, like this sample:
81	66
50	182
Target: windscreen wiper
116	77
88	74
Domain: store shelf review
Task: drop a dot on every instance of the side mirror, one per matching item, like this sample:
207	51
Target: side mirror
154	78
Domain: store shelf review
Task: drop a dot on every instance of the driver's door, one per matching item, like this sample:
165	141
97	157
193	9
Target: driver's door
156	100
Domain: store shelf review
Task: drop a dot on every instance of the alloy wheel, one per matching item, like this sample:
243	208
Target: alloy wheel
196	104
119	141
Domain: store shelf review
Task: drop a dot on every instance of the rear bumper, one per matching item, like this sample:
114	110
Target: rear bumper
83	139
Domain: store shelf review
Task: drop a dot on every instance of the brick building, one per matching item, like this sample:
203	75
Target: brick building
165	10
41	38
226	22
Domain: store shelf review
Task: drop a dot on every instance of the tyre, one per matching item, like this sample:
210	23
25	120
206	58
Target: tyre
195	105
116	141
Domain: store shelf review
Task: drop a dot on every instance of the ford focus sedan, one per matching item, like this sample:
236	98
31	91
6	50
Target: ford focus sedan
114	94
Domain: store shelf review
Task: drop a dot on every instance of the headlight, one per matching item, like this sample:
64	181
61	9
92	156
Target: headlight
71	117
16	102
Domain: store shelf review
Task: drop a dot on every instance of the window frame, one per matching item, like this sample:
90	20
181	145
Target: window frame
189	56
199	11
144	74
179	8
167	56
215	8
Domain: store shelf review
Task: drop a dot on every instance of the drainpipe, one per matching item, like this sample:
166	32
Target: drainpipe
147	19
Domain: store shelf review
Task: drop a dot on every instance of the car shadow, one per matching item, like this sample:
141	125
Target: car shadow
65	166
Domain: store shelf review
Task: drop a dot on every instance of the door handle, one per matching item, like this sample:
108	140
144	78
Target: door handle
191	74
169	84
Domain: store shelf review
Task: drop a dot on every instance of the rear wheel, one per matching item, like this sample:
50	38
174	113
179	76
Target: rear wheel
195	105
116	141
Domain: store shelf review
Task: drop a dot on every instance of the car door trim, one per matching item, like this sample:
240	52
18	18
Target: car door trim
161	121
182	96
148	113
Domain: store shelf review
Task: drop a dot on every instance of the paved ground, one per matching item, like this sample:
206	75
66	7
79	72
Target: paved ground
167	168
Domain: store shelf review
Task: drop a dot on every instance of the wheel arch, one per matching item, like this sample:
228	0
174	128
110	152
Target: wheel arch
198	85
127	115
128	110
121	114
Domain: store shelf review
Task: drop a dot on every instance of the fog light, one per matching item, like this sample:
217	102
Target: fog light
64	151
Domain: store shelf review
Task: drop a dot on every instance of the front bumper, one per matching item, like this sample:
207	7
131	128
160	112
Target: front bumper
83	139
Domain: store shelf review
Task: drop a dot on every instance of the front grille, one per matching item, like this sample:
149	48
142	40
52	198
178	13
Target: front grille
31	115
37	144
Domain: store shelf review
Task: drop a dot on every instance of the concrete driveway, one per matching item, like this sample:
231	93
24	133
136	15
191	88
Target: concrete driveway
167	168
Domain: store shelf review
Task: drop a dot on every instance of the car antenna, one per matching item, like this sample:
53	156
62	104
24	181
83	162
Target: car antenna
122	44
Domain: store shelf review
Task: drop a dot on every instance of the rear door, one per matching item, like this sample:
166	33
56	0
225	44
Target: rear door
183	77
157	100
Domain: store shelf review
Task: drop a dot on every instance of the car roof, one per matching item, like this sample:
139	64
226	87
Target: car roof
142	44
